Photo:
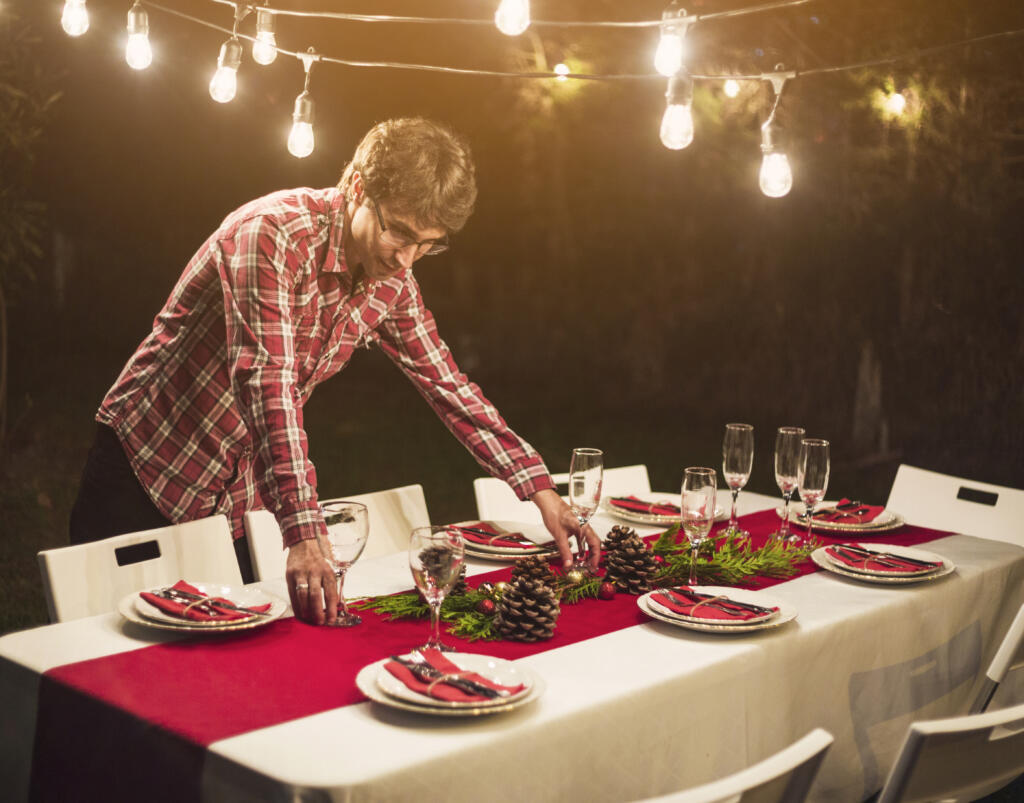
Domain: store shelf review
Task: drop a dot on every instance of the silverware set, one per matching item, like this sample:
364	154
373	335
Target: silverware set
206	605
428	674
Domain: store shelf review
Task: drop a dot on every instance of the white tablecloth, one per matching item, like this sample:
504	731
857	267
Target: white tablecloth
634	713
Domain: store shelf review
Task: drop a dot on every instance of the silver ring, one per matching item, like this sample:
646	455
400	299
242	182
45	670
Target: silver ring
302	585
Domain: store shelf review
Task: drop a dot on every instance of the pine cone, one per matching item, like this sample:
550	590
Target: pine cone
629	563
527	611
534	567
436	563
460	586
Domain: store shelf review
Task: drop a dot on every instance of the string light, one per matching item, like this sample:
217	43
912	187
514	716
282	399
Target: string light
224	83
562	71
512	16
138	52
776	176
731	88
677	123
300	139
895	104
264	49
668	58
74	18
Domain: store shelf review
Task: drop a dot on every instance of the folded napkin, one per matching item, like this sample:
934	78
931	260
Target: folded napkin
441	690
684	601
879	562
847	512
199	611
513	540
635	505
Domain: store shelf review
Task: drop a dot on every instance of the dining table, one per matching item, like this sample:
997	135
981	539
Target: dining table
103	708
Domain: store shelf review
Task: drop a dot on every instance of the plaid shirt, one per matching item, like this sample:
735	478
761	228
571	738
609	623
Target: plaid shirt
209	408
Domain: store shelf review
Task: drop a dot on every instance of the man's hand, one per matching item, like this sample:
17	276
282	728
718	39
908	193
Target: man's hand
311	583
562	523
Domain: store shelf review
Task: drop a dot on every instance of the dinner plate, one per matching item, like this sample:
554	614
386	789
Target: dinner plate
654	602
881	548
787	612
885	521
651	518
531	532
366	681
820	557
496	670
133	608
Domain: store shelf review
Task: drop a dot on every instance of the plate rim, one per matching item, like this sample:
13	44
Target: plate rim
787	613
764	617
825	563
914	573
126	607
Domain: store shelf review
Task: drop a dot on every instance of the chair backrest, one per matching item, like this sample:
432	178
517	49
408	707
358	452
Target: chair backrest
962	758
89	579
930	499
1009	657
784	777
497	502
393	514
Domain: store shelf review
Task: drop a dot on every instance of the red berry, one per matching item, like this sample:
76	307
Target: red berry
485	606
606	591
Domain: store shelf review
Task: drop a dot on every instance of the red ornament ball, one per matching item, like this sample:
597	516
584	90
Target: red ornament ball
606	591
485	606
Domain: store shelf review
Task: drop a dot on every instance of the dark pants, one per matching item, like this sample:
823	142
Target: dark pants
112	501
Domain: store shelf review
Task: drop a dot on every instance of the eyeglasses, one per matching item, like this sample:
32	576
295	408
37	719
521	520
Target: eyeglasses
395	240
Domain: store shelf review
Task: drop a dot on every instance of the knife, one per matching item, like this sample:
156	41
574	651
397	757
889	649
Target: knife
428	674
747	606
171	593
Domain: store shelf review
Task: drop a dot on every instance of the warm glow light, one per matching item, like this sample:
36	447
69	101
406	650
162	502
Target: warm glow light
300	140
562	70
264	49
512	17
895	104
677	126
138	52
668	59
224	83
776	178
731	88
75	18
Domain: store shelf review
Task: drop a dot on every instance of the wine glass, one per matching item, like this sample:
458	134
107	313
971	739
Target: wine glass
697	504
737	461
586	473
435	558
348	526
787	467
812	477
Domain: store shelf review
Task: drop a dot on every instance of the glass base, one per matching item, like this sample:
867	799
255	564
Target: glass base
343	620
437	645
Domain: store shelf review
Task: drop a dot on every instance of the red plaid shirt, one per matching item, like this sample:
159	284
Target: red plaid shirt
209	408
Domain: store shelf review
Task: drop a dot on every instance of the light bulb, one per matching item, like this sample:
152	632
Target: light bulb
776	178
669	57
264	49
512	17
300	140
225	81
75	18
562	71
731	88
895	104
138	52
677	126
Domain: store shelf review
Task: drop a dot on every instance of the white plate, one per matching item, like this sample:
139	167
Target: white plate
883	522
881	548
651	518
786	612
537	533
496	670
825	562
133	608
366	681
656	604
507	557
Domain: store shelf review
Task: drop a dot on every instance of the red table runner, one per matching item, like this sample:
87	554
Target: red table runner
203	689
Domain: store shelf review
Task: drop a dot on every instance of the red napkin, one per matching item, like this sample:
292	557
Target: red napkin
442	690
184	611
683	601
636	505
855	514
515	540
892	563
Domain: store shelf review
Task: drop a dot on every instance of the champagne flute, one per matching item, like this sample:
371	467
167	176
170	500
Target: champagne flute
436	555
348	526
737	461
787	467
812	477
586	473
697	503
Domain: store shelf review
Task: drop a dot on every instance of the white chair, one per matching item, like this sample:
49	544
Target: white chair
1008	657
496	501
89	579
930	499
393	514
785	777
957	759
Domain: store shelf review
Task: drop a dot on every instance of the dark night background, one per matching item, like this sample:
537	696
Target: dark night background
607	291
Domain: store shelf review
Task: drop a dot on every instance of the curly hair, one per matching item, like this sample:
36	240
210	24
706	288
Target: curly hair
420	168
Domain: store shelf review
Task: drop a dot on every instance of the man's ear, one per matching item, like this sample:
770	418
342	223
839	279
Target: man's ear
357	186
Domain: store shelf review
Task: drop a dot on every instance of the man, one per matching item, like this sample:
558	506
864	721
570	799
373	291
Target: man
206	417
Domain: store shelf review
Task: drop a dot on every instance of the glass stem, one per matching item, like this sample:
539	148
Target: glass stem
810	522
734	522
693	563
784	529
435	624
341	593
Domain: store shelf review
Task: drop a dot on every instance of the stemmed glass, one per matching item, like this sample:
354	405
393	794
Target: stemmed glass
737	461
812	477
697	503
586	473
435	558
787	467
348	526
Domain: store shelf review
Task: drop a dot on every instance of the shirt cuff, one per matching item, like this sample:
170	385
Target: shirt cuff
302	525
528	477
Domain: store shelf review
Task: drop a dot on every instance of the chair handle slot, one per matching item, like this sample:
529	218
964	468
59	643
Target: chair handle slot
975	495
137	553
